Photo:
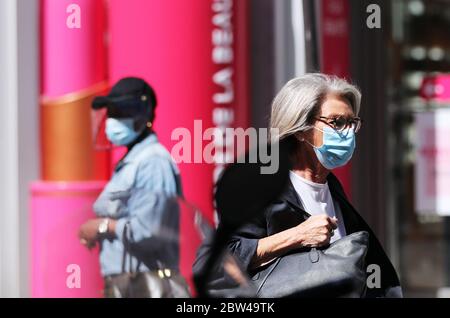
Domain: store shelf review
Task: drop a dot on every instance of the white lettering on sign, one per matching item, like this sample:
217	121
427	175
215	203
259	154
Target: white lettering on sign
223	57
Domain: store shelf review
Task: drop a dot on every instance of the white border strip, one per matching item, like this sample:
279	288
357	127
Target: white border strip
298	27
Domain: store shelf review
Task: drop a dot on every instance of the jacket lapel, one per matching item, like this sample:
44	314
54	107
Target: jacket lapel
351	221
291	198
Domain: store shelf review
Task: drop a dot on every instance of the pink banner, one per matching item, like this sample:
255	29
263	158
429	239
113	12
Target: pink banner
335	55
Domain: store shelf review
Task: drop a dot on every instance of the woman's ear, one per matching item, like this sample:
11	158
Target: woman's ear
300	136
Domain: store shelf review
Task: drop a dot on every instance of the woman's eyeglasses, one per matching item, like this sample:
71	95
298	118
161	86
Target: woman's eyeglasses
341	123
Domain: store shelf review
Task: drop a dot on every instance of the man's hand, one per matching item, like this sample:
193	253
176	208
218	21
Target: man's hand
88	233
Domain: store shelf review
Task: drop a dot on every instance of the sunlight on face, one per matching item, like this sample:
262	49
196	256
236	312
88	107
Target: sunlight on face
333	106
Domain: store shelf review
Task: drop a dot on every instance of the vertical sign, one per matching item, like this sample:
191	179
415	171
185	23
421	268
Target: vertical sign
335	54
432	169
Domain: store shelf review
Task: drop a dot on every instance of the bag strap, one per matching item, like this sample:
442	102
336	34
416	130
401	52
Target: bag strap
127	236
125	246
267	275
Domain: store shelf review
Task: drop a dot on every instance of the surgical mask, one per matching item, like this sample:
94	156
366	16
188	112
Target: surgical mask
120	131
337	148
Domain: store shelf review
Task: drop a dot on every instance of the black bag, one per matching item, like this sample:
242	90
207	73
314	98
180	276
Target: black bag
317	272
162	282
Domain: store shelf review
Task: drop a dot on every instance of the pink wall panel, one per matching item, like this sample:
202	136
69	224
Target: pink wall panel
58	211
170	43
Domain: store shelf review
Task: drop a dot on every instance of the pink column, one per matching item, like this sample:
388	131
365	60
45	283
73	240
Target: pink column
73	70
58	261
72	59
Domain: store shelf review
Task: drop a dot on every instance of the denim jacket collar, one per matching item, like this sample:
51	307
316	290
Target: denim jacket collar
134	152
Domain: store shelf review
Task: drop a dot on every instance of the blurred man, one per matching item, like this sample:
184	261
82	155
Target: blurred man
132	206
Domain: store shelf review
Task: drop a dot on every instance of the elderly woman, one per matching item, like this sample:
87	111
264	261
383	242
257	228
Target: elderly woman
317	115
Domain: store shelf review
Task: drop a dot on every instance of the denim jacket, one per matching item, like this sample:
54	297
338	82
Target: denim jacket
137	194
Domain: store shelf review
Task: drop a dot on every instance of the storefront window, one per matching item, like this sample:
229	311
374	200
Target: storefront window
420	48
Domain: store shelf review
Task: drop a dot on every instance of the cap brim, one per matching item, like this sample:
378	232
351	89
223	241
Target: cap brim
100	102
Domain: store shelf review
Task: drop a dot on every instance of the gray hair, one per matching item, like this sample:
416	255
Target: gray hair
300	100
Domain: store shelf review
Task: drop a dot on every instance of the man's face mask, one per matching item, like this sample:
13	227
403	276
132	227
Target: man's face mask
337	148
120	131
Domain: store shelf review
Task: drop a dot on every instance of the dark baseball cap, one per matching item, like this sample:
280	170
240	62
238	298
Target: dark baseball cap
129	97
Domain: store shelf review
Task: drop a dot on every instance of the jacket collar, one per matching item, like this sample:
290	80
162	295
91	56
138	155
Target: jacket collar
134	152
290	196
137	148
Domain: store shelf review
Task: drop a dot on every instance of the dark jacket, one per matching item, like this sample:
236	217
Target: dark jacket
287	212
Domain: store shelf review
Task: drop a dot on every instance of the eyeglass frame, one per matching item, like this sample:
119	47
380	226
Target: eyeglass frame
357	120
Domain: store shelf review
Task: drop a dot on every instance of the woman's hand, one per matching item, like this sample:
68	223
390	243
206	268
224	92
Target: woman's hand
316	231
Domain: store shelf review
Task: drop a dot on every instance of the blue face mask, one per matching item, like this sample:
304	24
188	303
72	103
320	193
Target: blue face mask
120	131
337	148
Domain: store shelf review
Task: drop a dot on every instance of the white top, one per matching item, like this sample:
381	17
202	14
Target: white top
316	199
